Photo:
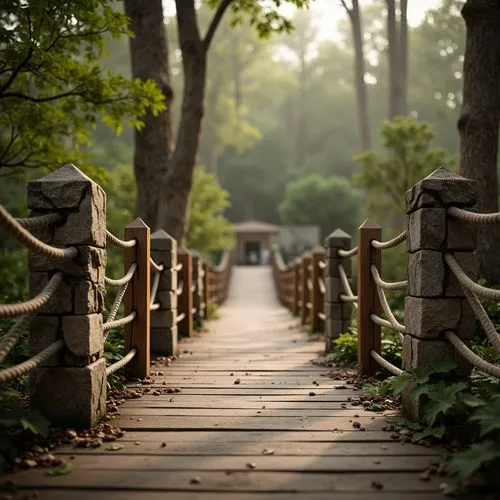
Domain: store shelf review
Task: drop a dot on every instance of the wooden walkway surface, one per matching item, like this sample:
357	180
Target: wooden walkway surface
254	420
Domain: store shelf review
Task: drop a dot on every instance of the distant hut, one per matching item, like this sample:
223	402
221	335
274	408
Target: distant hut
254	242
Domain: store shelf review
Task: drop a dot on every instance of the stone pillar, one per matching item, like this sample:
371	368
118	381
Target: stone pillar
163	326
198	290
317	297
435	301
70	388
338	314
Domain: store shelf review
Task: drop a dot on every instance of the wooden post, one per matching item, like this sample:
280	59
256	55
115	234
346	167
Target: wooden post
185	299
306	295
206	293
137	298
296	287
368	301
317	298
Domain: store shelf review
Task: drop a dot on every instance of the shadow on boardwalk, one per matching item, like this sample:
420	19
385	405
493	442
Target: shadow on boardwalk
254	420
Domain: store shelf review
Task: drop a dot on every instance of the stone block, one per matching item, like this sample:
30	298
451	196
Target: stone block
44	331
441	188
168	281
461	235
89	297
70	397
426	274
164	341
467	261
338	239
168	300
163	318
334	288
338	311
61	301
467	325
168	259
83	335
162	241
426	229
334	328
428	318
332	267
90	263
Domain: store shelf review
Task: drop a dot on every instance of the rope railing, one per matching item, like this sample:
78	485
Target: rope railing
158	268
33	305
474	217
122	281
26	239
40	221
117	242
121	363
392	243
385	364
348	253
117	323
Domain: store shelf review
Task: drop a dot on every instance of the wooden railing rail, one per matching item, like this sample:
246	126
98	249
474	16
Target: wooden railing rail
165	290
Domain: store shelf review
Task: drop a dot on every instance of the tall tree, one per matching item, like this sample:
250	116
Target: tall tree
354	14
153	142
480	118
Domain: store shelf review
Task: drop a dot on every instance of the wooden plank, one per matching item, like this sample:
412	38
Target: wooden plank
248	423
245	448
83	494
249	481
278	396
266	391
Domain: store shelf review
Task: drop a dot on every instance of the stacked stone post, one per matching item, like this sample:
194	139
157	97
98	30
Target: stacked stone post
435	301
198	290
70	388
338	314
163	324
185	299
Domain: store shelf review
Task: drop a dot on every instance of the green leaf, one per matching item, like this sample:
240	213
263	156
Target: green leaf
35	422
488	417
444	366
464	464
61	470
400	383
437	432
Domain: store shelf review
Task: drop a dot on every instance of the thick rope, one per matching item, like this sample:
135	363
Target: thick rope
472	357
33	305
349	298
10	339
322	264
385	364
309	285
345	282
29	241
397	285
386	324
116	306
180	318
321	285
28	365
124	280
40	221
117	323
154	307
178	267
348	253
462	214
385	305
117	242
384	245
467	283
156	267
120	364
322	316
180	288
154	287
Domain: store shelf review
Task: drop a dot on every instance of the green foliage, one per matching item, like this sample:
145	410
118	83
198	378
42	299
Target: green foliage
212	310
408	158
208	230
15	420
53	89
345	348
328	202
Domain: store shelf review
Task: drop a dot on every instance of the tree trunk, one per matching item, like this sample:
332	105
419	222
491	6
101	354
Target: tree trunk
301	125
392	38
154	143
359	72
479	121
403	60
237	70
174	194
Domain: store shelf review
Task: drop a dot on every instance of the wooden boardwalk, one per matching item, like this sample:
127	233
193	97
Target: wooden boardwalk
254	420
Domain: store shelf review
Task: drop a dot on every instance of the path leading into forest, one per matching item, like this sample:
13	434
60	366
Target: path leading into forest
254	420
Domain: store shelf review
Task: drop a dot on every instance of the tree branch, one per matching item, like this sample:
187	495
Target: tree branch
347	9
14	74
219	13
